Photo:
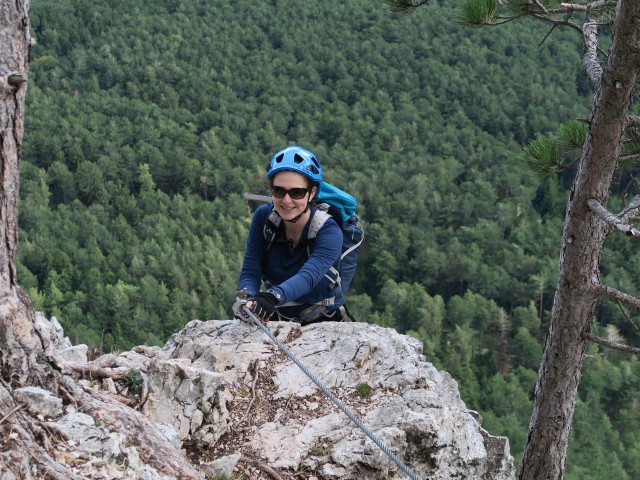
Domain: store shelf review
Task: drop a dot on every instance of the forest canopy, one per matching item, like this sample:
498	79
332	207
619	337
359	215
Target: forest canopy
147	121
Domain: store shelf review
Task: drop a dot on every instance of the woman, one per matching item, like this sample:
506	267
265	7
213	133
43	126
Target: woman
279	253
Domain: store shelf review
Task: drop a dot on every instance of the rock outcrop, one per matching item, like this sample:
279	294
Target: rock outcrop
226	395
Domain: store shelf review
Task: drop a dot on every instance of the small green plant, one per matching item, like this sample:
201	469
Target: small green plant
364	390
133	380
321	448
209	476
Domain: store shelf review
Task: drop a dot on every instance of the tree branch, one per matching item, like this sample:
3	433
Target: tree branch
613	295
608	344
547	35
626	315
404	7
502	21
92	372
633	120
613	221
592	67
586	7
265	468
129	402
628	157
19	407
553	21
631	213
256	374
633	182
540	6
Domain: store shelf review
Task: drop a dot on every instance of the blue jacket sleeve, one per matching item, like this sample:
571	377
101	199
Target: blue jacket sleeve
251	273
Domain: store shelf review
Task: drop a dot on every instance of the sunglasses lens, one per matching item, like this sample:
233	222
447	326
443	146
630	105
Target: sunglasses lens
297	193
278	192
294	193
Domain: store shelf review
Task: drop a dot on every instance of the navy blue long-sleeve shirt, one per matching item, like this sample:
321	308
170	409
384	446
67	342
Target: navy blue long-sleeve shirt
296	275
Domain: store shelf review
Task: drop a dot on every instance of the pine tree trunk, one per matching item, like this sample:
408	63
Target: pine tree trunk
25	354
18	343
583	237
14	48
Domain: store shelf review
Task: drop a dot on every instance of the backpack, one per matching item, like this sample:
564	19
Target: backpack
341	206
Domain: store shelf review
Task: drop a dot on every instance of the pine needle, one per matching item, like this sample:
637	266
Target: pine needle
403	7
475	13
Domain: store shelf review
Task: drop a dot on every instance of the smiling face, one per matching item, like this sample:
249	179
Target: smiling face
287	207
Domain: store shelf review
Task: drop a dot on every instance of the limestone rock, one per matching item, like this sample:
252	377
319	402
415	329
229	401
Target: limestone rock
54	330
82	430
98	453
222	467
187	398
414	408
225	392
60	344
75	353
172	435
40	401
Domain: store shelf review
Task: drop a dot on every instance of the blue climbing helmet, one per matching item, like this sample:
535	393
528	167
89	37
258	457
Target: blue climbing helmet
296	159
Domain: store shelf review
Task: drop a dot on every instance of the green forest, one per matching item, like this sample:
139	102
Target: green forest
147	121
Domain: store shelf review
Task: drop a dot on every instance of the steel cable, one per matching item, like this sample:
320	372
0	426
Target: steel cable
333	398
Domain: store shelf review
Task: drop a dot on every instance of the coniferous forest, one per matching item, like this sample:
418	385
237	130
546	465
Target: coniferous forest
147	121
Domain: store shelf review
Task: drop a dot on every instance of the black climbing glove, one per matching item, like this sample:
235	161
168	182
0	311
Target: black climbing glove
264	304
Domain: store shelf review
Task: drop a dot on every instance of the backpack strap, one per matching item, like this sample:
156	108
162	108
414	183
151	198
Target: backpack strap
317	222
274	220
271	227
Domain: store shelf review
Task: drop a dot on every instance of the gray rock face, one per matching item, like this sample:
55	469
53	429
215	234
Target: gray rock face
76	353
81	429
96	452
414	409
225	387
40	401
221	467
190	399
60	344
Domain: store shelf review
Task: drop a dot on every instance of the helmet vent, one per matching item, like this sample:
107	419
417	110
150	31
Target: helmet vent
296	159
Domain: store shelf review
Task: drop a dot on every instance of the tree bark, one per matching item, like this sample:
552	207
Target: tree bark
583	237
21	349
14	41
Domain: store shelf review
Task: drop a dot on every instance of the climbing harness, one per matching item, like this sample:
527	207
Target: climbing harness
246	312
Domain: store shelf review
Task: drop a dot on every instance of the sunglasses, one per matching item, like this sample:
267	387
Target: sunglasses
294	193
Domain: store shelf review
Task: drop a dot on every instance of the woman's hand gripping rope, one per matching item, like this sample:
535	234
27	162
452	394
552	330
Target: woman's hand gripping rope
262	304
